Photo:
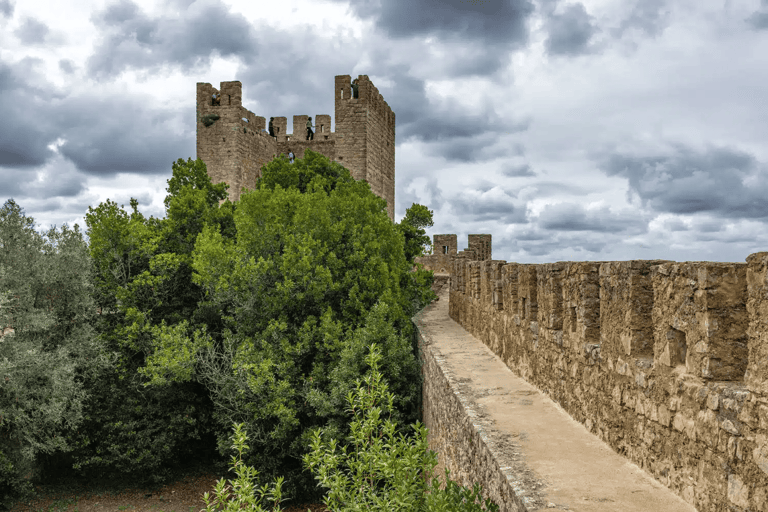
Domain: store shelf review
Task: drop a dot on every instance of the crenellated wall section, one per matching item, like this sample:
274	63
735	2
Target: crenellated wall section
235	144
666	362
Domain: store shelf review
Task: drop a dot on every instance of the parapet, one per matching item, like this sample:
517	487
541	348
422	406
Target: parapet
444	252
665	361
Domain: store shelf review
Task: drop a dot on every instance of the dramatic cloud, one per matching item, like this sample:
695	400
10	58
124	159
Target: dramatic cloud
568	130
718	180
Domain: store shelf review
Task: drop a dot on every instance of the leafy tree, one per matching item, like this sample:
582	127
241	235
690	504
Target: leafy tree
141	279
417	217
297	288
258	312
418	283
46	299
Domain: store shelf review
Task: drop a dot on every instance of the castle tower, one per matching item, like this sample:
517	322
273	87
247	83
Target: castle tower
444	244
230	139
234	143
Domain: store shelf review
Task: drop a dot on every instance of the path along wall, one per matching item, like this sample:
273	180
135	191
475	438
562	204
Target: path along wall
666	362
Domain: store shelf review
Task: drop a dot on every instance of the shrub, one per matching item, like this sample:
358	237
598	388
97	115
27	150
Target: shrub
384	477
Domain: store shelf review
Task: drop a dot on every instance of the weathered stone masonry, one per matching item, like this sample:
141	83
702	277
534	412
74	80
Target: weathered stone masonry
444	250
234	144
666	362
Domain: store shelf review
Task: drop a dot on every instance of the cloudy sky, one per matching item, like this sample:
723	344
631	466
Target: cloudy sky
570	131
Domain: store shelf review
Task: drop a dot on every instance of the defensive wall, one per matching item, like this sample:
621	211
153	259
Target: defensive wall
444	250
234	142
665	362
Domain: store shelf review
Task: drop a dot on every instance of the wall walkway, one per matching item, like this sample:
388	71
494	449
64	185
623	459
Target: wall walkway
491	427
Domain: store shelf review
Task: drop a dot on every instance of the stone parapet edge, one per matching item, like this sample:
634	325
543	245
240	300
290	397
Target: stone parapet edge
471	433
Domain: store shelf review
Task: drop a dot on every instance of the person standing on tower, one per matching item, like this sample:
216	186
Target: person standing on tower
310	135
271	128
291	156
354	88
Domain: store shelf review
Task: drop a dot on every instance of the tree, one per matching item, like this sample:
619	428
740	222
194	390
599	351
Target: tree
142	280
257	312
46	298
297	288
417	217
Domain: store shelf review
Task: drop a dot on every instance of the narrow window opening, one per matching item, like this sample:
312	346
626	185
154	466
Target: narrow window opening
342	94
341	158
573	318
445	249
678	348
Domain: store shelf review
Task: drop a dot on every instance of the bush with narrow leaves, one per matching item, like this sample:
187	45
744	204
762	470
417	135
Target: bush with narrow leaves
383	476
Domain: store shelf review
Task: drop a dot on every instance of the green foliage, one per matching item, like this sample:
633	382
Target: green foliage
209	119
140	277
300	281
46	290
257	313
417	217
382	475
243	486
303	171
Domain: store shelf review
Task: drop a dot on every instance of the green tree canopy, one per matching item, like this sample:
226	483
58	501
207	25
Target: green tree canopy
316	273
258	312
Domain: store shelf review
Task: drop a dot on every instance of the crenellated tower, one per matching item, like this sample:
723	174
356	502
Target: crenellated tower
234	143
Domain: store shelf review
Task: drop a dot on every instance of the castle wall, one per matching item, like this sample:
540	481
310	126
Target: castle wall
479	248
237	145
663	361
380	143
481	244
234	147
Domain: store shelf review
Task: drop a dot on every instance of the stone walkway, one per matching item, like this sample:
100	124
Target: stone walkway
550	461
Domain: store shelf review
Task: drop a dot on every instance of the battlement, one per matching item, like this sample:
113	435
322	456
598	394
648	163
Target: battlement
235	144
444	252
666	362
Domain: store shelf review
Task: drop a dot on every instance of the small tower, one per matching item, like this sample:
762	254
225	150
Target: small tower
444	244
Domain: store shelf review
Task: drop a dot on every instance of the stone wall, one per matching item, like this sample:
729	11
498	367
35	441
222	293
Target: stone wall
234	143
666	362
456	432
442	262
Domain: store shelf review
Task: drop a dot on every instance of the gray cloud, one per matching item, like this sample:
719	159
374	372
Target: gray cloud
31	31
717	180
517	171
647	16
758	20
6	8
433	200
67	66
570	32
492	22
675	225
574	217
489	206
134	41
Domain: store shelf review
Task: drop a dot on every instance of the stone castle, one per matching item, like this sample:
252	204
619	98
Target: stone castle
234	143
666	362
